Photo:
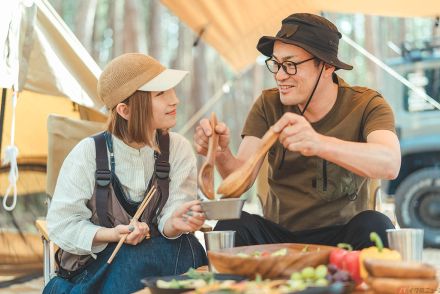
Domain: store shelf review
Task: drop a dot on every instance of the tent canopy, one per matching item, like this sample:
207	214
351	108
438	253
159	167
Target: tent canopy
37	44
233	27
55	69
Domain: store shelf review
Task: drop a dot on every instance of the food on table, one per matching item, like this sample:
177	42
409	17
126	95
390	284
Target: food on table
393	285
338	275
376	252
391	275
345	258
195	280
280	252
245	287
320	276
279	262
308	276
181	284
399	269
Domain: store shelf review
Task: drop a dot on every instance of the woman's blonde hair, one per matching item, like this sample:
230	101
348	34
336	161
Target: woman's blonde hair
139	126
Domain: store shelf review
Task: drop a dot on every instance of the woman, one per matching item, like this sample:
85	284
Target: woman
138	92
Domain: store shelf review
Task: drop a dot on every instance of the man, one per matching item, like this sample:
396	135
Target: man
333	139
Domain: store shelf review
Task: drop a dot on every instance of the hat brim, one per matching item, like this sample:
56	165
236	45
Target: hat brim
265	46
166	80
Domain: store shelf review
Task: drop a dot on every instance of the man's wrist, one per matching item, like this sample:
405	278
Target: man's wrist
223	153
324	146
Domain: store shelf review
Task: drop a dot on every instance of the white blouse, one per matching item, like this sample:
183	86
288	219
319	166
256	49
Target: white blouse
68	218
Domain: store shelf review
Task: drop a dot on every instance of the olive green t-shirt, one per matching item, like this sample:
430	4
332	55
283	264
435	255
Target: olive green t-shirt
309	192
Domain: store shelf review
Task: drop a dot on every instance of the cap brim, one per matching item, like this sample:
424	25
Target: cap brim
265	46
166	80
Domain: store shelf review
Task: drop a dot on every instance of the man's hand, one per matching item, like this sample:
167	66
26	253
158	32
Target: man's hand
187	218
204	131
298	135
137	231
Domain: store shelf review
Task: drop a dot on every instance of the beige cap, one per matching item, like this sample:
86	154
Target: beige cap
130	72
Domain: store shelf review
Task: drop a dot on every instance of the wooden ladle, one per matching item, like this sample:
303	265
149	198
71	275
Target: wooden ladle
206	173
239	181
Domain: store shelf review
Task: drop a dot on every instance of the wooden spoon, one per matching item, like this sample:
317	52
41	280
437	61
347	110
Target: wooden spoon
239	181
206	173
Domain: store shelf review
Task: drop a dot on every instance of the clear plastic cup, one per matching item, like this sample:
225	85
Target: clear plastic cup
409	242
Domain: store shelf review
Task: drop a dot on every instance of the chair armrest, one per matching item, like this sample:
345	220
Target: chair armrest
41	225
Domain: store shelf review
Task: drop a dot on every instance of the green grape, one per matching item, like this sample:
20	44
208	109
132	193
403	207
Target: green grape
300	285
321	271
308	273
296	276
321	282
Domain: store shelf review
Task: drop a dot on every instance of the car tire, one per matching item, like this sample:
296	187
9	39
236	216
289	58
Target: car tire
418	204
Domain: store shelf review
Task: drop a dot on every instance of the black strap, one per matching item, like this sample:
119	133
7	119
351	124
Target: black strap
162	171
102	180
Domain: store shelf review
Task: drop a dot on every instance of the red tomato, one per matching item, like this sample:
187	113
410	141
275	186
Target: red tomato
336	257
350	263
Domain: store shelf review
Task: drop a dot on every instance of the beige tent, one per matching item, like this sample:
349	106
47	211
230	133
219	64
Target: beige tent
54	68
55	75
233	27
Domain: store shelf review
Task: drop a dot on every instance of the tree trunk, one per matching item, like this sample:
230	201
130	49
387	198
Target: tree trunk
130	35
116	23
155	29
374	73
58	6
200	90
258	75
179	61
84	22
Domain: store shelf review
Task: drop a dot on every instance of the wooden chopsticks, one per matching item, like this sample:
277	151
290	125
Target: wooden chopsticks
136	217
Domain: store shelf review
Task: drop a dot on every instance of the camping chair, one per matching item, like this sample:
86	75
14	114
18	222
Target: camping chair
64	133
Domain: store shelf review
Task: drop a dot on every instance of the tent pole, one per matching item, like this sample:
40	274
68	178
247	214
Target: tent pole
2	116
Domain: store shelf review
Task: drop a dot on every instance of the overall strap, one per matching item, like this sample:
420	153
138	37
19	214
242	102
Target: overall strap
162	170
162	164
102	180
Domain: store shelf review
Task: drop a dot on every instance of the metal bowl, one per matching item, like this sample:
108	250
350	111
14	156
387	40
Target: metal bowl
223	209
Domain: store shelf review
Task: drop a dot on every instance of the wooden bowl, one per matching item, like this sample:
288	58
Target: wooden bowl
269	267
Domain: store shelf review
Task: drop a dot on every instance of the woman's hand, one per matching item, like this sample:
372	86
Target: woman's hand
187	218
137	231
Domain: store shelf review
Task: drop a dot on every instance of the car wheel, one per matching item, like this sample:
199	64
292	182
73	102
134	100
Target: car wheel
418	204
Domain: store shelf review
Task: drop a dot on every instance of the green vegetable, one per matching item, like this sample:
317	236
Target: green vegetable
308	273
321	271
206	276
280	252
321	282
295	276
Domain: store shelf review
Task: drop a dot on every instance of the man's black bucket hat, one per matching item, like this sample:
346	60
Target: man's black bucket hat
313	33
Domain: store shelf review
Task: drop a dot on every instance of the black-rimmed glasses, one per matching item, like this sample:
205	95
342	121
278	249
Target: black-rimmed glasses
289	67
